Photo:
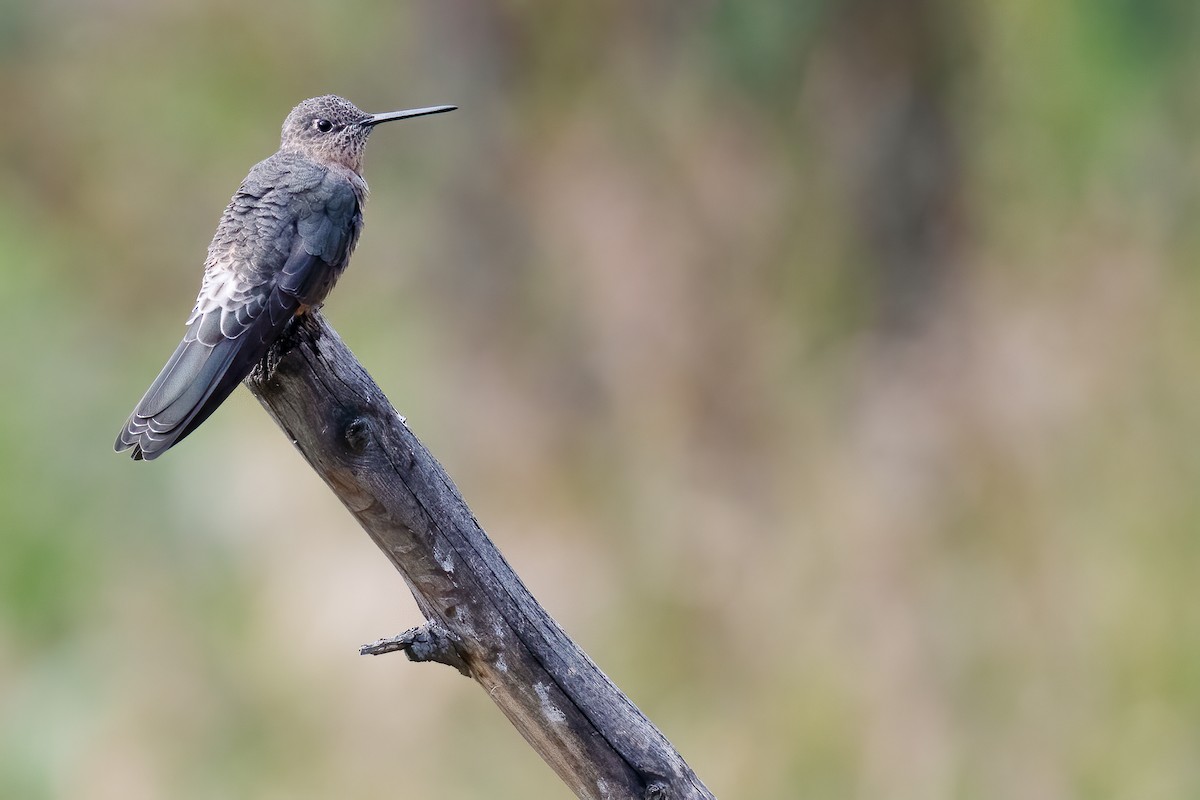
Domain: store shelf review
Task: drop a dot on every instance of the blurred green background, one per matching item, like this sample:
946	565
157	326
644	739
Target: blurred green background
826	368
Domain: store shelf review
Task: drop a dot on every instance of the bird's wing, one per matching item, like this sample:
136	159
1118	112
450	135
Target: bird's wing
327	236
242	309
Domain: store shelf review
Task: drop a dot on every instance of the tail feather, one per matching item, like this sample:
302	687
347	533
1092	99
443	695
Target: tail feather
193	383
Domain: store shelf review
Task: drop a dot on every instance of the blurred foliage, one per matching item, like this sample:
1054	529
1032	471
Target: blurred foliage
826	367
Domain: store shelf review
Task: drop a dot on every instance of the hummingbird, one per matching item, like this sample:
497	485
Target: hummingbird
281	244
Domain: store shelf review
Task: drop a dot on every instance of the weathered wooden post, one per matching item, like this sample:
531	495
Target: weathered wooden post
480	618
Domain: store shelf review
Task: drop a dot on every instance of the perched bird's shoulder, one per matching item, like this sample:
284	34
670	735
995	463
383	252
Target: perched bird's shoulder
286	172
293	174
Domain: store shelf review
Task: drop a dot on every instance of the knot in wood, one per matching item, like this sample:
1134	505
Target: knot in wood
357	434
656	790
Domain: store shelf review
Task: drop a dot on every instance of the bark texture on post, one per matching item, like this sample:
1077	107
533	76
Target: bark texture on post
480	617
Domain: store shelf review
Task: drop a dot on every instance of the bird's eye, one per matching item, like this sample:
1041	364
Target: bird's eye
323	125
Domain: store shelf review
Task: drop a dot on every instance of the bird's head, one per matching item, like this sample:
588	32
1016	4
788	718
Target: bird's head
330	129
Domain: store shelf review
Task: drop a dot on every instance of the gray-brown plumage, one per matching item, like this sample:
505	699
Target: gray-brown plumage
282	242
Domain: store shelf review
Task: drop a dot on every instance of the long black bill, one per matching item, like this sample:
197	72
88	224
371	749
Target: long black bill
388	116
